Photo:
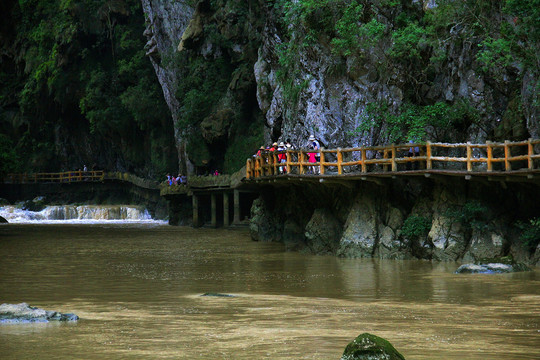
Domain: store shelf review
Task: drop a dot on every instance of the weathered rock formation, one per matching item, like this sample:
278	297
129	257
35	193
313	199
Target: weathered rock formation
165	24
24	313
304	82
458	220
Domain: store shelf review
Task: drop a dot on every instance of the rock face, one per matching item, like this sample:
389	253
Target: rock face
24	313
333	94
323	232
370	347
3	221
165	24
399	219
203	57
284	75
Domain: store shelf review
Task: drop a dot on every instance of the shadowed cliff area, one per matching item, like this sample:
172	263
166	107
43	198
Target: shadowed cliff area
78	90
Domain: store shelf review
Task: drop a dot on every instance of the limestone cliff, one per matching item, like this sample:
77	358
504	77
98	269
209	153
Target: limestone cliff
165	24
351	72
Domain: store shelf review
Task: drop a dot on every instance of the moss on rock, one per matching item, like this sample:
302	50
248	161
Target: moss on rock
370	347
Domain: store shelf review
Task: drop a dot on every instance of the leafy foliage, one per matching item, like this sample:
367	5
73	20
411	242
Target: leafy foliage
8	156
415	227
203	83
530	232
400	37
472	215
82	68
415	122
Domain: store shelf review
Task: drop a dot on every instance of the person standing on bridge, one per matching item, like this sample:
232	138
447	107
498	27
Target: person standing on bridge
314	156
414	151
282	157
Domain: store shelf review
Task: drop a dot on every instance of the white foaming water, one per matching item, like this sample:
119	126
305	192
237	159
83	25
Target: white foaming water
78	214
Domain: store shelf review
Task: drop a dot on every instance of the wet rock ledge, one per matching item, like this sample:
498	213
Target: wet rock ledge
24	313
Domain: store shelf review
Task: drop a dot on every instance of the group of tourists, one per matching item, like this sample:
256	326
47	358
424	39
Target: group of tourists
176	180
281	151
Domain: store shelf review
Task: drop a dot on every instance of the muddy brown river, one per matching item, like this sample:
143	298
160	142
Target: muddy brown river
137	289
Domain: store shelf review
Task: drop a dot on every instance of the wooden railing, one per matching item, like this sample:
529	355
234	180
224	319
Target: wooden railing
468	157
66	176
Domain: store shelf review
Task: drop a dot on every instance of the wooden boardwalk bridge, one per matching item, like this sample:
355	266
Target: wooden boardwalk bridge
509	161
227	199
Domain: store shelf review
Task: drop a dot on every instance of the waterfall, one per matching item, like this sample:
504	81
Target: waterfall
77	214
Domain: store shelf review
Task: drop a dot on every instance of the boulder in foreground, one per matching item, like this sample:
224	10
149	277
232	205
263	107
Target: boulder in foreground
24	313
370	347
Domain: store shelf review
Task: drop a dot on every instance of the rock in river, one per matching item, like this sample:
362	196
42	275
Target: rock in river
24	313
504	264
492	268
370	347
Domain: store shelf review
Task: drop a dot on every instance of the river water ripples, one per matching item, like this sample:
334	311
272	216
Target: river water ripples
137	290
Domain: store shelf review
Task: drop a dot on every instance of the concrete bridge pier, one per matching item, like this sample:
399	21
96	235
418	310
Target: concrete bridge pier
195	205
226	219
236	218
220	208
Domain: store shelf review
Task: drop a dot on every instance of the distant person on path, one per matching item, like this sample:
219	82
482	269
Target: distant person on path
282	157
314	156
414	151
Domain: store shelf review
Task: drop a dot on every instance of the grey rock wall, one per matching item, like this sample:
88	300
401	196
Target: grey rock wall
166	21
466	221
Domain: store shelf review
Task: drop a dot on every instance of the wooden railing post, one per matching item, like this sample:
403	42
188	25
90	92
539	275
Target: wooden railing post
507	155
265	164
363	154
530	152
288	161
301	161
385	156
428	155
394	164
248	169
489	156
339	161
469	154
321	162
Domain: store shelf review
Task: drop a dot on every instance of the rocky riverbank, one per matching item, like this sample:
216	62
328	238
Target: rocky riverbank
441	220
